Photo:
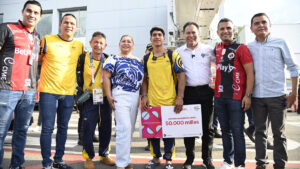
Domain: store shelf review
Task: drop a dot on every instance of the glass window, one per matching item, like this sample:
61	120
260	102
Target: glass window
80	14
44	27
1	18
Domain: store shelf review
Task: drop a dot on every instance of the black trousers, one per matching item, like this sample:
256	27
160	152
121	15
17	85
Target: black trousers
200	95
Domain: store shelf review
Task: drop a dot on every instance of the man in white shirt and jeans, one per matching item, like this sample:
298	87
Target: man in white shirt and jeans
197	58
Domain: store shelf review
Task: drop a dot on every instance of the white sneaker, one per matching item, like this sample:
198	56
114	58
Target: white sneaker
240	167
48	167
226	166
35	129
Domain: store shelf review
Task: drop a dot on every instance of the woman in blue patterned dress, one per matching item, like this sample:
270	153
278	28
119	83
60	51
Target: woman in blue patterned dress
122	76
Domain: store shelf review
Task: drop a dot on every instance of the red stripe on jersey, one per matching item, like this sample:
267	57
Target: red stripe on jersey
20	79
219	49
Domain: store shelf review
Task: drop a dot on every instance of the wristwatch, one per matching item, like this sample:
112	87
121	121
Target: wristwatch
143	95
249	94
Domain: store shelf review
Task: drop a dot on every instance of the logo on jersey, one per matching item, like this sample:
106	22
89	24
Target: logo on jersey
179	63
224	68
25	52
16	31
237	78
236	87
230	55
6	61
27	82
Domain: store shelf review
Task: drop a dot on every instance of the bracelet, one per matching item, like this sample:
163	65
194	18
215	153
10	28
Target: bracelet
143	95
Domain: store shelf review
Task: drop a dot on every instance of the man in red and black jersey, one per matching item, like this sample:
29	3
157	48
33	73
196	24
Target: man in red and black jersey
19	51
233	89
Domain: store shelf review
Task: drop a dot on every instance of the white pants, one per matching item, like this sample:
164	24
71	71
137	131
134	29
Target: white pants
125	115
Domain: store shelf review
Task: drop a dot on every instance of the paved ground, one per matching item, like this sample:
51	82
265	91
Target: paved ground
140	156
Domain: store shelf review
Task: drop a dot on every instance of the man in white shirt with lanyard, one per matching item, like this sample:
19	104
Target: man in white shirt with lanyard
197	58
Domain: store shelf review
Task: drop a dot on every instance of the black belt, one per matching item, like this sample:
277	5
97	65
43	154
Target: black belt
198	87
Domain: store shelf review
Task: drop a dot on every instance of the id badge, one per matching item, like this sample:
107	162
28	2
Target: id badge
97	96
30	62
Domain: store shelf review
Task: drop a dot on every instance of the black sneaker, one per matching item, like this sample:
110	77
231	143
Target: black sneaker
79	142
95	139
187	166
147	148
20	167
61	165
260	167
270	146
209	165
217	133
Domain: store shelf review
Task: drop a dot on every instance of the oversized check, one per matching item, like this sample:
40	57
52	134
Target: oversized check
163	122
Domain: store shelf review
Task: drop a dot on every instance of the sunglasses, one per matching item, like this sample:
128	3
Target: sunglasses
154	58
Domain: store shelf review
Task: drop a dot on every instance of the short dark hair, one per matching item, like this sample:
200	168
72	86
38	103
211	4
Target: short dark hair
33	2
68	14
190	23
224	20
257	15
157	29
95	34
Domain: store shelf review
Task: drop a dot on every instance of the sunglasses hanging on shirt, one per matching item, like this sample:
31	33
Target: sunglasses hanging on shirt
154	58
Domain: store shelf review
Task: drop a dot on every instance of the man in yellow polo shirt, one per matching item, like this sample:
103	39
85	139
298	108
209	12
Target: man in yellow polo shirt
59	57
159	89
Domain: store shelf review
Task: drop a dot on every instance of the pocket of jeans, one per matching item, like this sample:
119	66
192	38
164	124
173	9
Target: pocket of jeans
284	101
4	97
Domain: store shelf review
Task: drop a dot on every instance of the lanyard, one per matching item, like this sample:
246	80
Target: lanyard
31	41
27	34
30	46
92	66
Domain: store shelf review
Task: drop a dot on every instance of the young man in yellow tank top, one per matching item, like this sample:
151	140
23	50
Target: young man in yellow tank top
59	57
159	89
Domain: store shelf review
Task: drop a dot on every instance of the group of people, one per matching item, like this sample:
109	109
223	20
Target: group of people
247	77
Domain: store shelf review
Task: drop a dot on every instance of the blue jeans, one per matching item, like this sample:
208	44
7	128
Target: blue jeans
22	104
50	104
232	118
215	119
251	127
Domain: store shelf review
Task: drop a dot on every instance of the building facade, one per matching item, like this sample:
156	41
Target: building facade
114	18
